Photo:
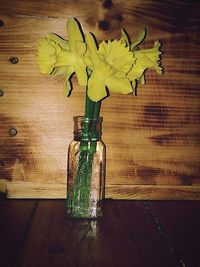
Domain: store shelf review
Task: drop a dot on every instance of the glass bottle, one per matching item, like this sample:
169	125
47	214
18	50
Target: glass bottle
86	169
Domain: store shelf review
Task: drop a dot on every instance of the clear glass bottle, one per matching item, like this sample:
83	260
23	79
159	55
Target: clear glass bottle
86	169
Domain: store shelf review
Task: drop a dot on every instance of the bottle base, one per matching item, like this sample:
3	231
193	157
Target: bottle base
83	214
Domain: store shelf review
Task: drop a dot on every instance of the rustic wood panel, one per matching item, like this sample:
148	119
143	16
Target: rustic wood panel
125	236
181	220
152	139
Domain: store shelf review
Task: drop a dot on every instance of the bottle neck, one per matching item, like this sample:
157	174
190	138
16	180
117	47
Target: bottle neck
87	129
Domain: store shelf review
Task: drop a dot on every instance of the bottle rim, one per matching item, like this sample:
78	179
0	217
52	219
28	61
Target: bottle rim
87	119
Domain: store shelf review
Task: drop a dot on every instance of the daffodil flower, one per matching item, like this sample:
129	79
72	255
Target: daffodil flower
60	57
114	66
144	59
109	64
51	50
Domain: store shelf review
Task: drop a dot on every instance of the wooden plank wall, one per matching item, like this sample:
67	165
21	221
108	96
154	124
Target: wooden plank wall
152	140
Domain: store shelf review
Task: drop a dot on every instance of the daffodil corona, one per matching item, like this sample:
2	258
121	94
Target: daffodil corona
50	54
110	65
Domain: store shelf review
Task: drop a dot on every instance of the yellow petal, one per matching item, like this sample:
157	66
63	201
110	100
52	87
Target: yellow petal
74	33
125	38
67	84
96	87
152	53
58	40
87	61
61	70
46	56
80	48
45	66
139	39
134	85
50	48
137	71
92	49
116	85
66	58
69	72
67	87
142	79
81	74
147	58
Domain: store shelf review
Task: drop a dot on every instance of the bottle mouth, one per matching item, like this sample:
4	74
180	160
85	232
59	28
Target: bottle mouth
87	119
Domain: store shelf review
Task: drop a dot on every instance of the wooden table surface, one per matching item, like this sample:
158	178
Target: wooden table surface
38	233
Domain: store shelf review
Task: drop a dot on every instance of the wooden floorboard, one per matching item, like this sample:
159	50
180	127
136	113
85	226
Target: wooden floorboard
181	223
131	233
15	216
125	236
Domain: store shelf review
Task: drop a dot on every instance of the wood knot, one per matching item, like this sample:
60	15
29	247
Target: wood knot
1	23
104	25
107	4
14	60
2	164
13	132
1	92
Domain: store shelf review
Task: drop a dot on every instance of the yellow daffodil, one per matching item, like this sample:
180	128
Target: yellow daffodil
146	58
109	64
60	57
114	65
51	48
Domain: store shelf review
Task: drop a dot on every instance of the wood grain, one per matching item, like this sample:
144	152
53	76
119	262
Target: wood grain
20	189
152	140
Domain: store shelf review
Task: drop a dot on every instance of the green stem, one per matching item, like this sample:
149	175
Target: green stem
97	107
86	182
94	136
89	109
83	175
89	106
